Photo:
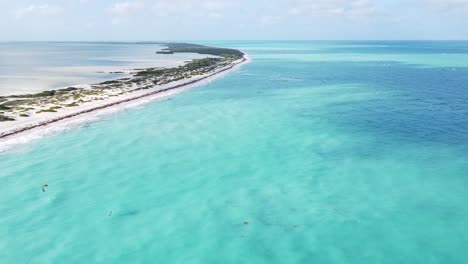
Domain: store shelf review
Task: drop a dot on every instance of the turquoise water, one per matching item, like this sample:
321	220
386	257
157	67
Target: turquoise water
328	157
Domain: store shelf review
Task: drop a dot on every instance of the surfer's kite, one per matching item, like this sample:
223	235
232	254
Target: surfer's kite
44	186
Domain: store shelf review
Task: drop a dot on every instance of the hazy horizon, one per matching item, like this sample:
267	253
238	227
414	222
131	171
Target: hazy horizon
130	20
136	41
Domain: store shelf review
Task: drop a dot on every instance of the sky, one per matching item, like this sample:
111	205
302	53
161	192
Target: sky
147	20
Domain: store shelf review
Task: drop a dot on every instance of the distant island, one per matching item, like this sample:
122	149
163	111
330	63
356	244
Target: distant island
200	49
14	108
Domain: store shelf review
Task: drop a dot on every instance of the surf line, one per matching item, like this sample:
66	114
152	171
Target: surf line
54	120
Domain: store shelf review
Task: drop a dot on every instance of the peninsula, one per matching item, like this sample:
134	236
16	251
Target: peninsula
19	113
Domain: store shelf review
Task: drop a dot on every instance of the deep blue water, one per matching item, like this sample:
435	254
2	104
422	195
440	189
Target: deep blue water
333	152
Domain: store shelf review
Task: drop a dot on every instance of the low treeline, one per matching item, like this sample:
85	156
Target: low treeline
200	49
44	93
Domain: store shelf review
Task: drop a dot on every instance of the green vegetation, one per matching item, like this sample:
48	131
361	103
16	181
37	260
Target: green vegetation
22	105
15	103
200	49
69	89
52	109
152	72
76	96
200	63
110	82
50	93
165	52
6	118
72	105
41	94
4	108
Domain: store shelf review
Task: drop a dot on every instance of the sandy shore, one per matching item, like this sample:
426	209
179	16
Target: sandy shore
10	131
44	76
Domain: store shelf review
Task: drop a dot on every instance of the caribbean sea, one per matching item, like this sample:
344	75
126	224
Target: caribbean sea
315	152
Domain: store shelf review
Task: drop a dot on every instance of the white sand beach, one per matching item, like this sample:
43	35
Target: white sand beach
40	124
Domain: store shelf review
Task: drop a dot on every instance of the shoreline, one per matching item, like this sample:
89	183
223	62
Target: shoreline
162	90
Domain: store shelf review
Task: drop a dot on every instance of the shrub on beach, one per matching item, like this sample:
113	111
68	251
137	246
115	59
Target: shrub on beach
4	107
6	118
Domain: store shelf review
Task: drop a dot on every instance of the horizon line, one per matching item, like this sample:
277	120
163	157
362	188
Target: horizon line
213	40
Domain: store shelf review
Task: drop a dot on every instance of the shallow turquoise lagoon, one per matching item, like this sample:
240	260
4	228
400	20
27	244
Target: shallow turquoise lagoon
329	159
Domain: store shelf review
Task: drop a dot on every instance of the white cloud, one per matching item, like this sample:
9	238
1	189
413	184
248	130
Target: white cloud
266	21
165	8
123	11
449	5
453	2
40	9
214	5
294	11
350	8
204	8
126	8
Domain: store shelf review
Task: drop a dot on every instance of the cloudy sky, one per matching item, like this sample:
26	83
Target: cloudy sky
131	20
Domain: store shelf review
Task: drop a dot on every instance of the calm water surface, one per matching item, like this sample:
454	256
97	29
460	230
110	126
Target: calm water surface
333	152
27	67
